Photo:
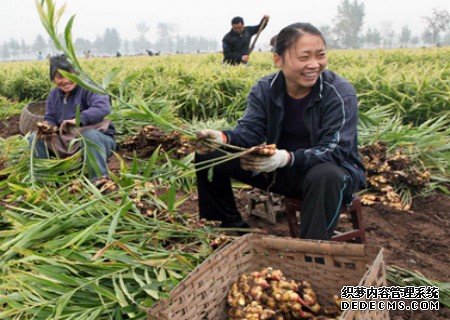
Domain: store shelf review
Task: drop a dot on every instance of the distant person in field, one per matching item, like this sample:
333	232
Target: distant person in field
310	114
60	111
236	42
40	56
88	54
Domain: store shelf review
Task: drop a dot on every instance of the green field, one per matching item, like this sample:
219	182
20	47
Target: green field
86	255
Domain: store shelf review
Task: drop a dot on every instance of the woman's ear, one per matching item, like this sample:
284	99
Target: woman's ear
277	60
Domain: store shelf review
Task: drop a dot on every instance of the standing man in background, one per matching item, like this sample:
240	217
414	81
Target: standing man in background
237	41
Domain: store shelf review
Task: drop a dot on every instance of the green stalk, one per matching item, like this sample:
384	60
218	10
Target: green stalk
403	277
33	147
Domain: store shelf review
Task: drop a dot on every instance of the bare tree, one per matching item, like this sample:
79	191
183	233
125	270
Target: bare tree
4	51
427	37
82	45
24	47
438	22
142	28
349	22
388	34
126	46
98	45
446	39
14	47
141	43
111	40
373	37
405	36
165	35
329	35
39	44
51	45
415	40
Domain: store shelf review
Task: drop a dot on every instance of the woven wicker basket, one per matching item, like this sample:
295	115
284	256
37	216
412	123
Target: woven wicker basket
31	114
328	265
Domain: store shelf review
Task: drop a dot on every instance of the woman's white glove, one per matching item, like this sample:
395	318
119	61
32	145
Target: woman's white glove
211	135
258	163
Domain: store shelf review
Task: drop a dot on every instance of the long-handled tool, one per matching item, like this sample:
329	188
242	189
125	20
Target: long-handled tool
262	25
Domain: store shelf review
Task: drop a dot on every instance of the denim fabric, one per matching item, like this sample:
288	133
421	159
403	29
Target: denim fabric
99	148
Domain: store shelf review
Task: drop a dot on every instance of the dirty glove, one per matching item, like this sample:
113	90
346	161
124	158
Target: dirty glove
258	163
212	136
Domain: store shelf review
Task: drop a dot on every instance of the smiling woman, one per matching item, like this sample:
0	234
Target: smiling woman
311	115
63	104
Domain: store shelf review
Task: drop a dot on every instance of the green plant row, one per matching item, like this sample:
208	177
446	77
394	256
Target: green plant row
415	83
82	254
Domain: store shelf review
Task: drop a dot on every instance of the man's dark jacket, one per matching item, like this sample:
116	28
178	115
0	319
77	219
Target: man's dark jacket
331	119
235	45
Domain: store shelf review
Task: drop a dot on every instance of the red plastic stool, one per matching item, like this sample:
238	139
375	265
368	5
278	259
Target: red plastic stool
293	205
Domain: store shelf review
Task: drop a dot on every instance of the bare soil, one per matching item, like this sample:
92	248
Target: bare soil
10	126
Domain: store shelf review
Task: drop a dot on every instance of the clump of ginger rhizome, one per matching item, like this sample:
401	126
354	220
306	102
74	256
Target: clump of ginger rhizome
388	174
268	295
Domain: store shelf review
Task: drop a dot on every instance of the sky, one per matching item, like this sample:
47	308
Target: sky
208	18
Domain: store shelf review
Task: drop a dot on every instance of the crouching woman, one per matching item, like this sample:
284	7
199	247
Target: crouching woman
60	114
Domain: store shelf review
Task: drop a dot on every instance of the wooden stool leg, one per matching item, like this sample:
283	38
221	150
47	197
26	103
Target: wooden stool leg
250	206
270	213
357	219
291	214
357	234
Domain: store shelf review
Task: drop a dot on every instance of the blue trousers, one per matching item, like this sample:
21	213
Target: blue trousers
98	144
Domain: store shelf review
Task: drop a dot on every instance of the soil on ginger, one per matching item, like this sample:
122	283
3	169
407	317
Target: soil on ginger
417	240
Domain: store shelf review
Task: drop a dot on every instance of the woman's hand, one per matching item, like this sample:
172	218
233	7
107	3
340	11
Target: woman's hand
210	135
66	123
260	163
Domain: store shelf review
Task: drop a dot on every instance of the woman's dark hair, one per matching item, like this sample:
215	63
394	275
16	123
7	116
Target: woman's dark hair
290	34
273	43
59	62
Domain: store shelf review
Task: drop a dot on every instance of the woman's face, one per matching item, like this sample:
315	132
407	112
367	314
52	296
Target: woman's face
303	63
63	83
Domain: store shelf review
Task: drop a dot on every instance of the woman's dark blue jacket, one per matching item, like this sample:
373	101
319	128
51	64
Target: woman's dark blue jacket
331	119
93	107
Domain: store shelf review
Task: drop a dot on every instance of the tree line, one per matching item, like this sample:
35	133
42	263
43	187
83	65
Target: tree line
347	31
110	43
